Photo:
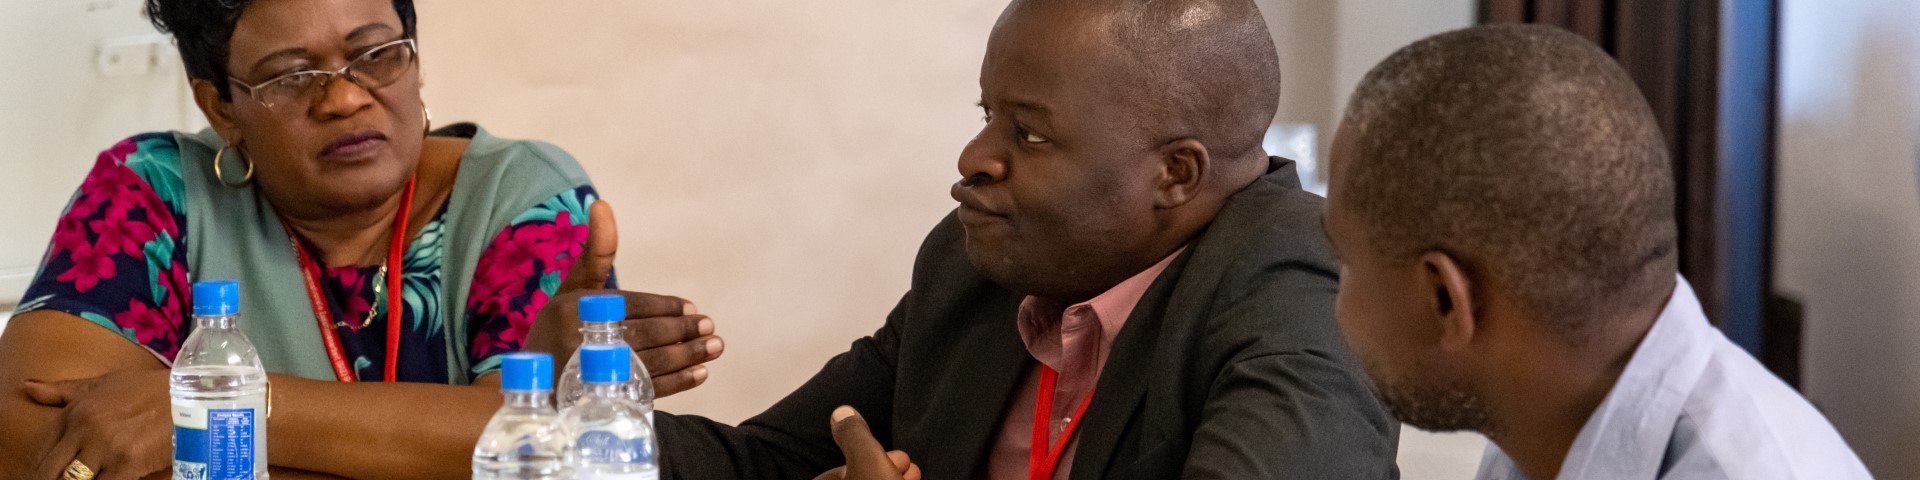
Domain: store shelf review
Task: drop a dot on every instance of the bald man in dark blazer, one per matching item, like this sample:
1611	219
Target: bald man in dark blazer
1126	260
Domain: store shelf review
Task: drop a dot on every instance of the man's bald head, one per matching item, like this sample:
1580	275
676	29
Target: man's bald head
1526	153
1204	69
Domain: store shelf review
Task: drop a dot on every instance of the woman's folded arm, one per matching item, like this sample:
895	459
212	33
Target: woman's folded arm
116	392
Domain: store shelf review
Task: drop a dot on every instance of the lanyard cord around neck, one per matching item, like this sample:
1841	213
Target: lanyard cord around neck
310	269
1042	458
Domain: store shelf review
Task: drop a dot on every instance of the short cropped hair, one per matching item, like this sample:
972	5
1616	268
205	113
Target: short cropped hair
1527	153
202	29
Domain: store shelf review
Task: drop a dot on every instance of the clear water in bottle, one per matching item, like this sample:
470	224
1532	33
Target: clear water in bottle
219	391
614	439
525	439
600	317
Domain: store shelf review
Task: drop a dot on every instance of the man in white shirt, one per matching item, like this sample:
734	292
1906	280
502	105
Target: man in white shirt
1502	203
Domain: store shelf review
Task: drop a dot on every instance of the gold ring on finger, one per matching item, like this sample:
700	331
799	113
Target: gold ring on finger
77	471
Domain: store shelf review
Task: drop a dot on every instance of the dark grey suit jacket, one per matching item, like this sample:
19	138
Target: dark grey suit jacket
1229	367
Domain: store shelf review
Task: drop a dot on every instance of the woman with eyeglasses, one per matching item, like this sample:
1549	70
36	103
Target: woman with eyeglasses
384	268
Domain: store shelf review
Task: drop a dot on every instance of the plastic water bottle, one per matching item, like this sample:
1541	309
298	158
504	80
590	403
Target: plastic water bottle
219	393
614	440
600	317
525	440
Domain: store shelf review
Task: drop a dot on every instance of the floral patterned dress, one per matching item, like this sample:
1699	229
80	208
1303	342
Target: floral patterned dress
118	259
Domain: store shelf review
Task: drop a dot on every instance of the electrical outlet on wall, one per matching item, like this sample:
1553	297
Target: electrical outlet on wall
129	56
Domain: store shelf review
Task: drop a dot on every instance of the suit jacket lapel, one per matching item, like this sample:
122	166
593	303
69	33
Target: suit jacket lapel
1138	359
1123	380
968	413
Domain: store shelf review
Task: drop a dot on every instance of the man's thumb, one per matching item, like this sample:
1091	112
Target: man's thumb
595	263
864	455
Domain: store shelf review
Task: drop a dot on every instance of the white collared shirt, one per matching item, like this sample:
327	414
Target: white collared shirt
1692	405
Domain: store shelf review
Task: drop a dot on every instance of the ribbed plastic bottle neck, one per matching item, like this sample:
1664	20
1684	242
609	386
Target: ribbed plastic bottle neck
606	389
602	333
219	322
541	400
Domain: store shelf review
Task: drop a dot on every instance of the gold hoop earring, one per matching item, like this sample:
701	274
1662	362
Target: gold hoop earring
248	180
427	116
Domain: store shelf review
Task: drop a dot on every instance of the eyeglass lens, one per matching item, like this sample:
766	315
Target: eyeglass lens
374	69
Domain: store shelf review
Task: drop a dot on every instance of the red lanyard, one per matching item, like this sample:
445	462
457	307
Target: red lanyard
1042	458
395	270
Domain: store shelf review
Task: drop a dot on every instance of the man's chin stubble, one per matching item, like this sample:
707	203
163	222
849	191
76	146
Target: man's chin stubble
1437	408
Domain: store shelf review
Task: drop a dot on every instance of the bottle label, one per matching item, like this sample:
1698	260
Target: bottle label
213	443
606	448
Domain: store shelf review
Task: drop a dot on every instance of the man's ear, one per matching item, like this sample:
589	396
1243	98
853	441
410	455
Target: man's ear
219	112
1452	299
1184	166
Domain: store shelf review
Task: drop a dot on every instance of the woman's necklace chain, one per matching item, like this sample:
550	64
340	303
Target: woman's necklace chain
379	287
373	305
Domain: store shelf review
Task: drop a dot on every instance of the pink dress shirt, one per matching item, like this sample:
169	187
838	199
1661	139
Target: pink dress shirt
1074	341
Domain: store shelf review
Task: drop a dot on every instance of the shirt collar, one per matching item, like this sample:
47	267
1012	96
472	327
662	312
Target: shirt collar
1627	435
1041	320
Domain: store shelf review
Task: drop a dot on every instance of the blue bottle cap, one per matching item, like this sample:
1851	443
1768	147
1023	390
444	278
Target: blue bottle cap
605	363
219	297
526	371
603	308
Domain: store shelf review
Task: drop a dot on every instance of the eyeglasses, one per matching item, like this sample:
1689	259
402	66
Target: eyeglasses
377	68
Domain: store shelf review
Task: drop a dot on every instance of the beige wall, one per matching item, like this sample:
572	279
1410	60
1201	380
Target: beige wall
777	162
1849	216
1369	30
1304	33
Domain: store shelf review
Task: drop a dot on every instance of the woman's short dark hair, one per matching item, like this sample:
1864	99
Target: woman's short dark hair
202	30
